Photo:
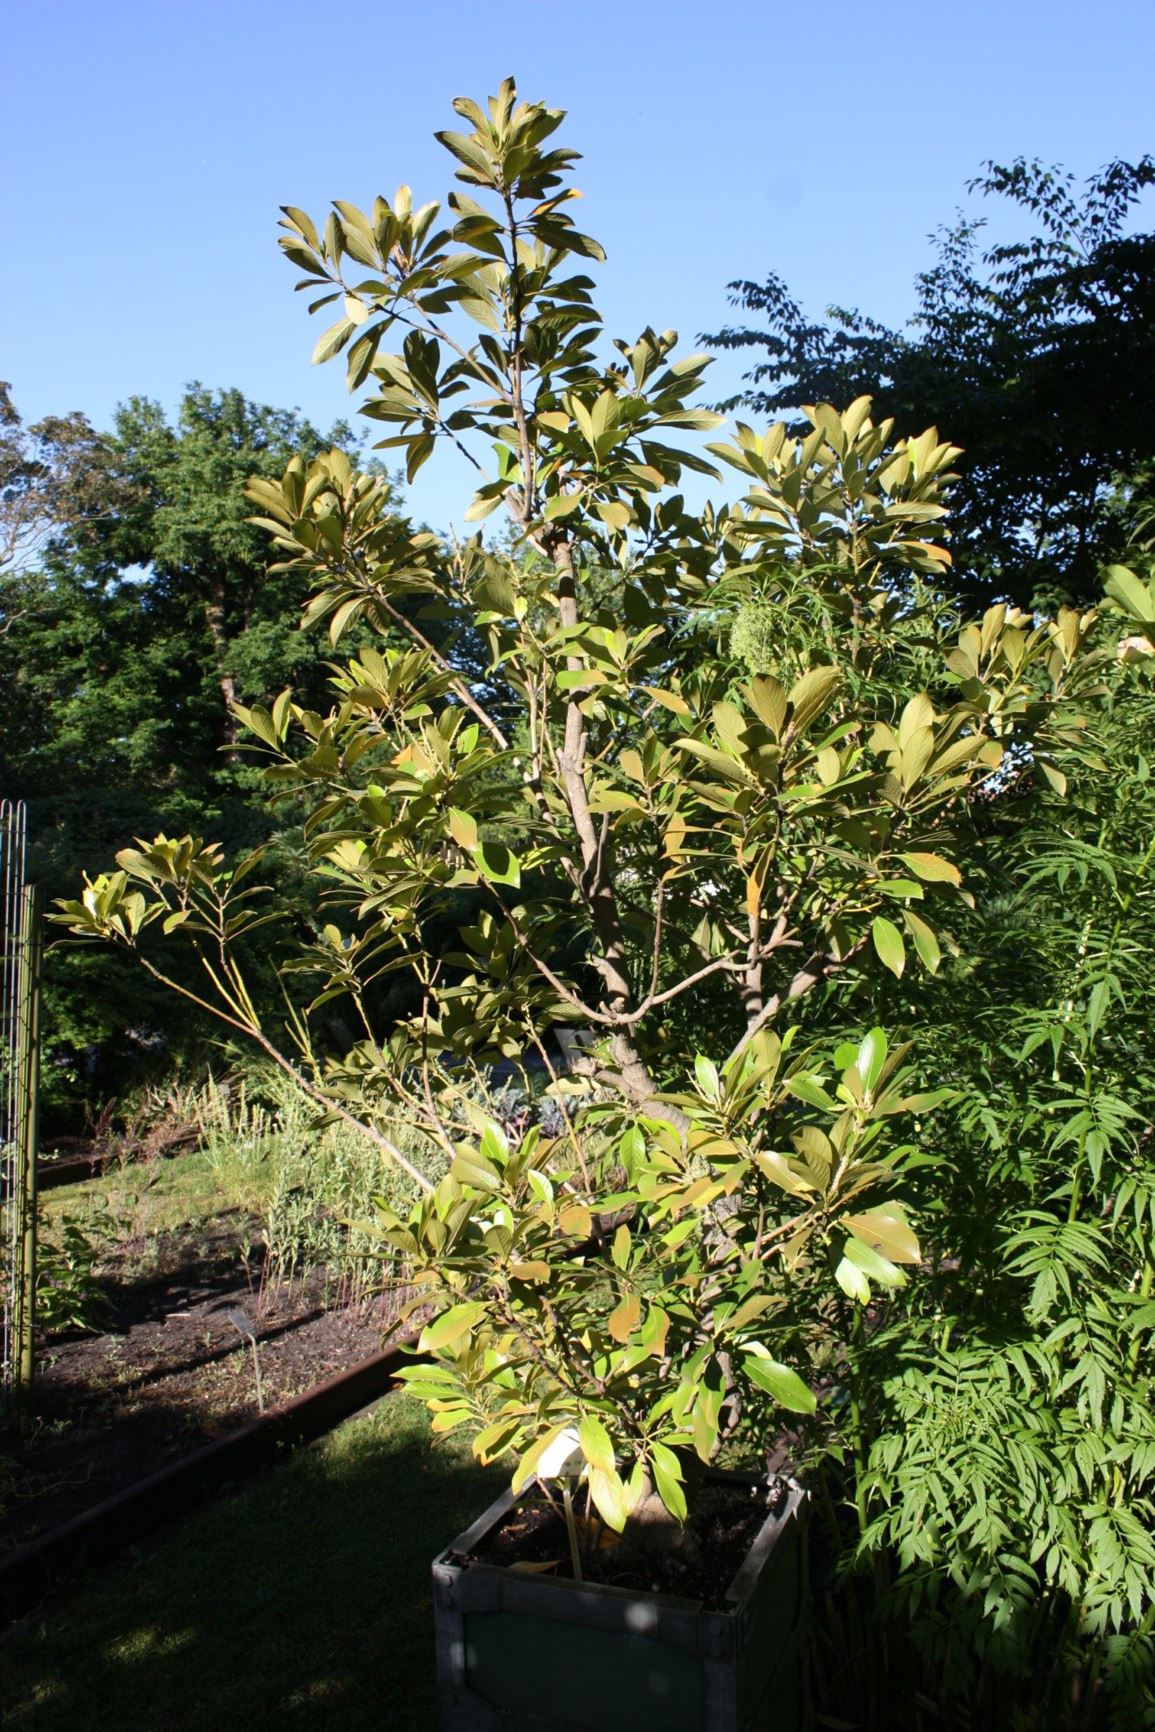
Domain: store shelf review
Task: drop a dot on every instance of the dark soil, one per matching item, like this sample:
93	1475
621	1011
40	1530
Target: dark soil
697	1563
171	1371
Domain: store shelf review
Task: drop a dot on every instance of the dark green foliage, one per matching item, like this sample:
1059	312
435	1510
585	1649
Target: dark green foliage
1006	1441
1036	355
146	611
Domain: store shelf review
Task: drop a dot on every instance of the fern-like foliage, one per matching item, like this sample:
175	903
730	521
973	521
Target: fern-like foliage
1004	1421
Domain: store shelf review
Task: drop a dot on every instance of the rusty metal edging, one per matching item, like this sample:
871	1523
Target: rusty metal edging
75	1169
30	1572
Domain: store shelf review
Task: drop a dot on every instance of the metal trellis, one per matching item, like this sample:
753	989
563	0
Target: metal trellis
20	922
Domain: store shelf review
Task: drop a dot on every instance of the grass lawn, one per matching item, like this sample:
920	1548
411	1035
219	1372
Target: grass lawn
300	1600
137	1201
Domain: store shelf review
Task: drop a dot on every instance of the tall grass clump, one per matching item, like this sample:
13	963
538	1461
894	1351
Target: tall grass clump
313	1186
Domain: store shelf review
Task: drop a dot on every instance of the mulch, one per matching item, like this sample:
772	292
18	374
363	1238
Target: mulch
170	1371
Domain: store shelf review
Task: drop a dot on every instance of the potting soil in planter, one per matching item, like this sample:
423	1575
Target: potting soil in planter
696	1563
706	1636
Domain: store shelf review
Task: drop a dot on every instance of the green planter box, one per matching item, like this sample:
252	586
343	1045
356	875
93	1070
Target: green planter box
525	1653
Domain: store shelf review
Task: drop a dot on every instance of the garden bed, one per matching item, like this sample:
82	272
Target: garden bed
170	1371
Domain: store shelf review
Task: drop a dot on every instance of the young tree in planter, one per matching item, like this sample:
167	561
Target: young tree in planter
744	777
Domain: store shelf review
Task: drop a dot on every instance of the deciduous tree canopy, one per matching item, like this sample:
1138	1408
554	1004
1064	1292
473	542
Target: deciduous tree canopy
1036	355
137	606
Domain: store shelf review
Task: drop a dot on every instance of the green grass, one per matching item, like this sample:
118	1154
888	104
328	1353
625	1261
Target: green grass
300	1600
260	1154
136	1201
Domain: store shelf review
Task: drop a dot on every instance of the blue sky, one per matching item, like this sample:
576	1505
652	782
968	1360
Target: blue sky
147	148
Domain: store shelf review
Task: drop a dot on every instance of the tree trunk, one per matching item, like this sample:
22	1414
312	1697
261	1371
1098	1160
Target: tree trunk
596	880
214	612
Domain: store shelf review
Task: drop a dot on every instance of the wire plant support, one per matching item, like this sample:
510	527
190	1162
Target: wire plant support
21	919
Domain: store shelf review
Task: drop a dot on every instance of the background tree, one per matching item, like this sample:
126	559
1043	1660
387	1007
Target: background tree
1038	355
139	605
56	482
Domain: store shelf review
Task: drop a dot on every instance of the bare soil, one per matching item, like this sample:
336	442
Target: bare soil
170	1371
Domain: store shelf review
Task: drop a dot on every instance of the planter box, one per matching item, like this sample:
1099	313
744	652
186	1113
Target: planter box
526	1653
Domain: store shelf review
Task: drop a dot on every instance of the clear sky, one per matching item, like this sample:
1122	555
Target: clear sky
147	148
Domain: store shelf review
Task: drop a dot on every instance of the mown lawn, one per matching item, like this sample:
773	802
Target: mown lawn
299	1600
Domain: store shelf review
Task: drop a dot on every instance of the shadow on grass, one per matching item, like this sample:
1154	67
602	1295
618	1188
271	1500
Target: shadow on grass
301	1600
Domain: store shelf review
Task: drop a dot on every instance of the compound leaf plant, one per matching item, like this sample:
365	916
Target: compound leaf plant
718	758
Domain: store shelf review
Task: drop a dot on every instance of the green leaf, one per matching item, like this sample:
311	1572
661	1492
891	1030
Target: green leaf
498	864
624	1318
494	1144
769	701
610	1497
463	828
776	1167
706	1072
613	513
810	695
888	944
924	939
596	1445
667	1471
493	1439
718	762
1053	775
1130	594
853	1282
932	868
870	1058
887	1230
304	224
535	1271
781	1382
483	504
808	1088
575	1221
873	1264
668	700
451	1326
470	1168
333	340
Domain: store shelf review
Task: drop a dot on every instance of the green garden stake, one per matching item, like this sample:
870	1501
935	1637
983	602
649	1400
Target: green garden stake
27	1140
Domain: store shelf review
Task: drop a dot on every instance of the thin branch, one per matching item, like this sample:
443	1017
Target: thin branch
659	907
547	973
562	1108
458	685
651	1002
817	968
303	1083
